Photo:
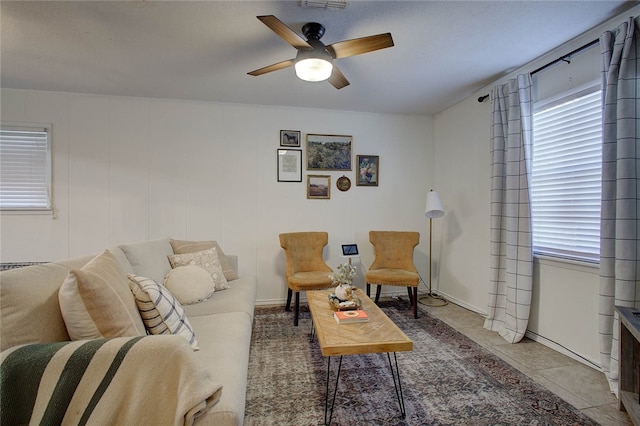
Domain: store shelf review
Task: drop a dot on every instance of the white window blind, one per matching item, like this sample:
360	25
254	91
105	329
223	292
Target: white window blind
25	167
566	176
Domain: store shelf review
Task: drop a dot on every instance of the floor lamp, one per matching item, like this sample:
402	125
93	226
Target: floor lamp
433	210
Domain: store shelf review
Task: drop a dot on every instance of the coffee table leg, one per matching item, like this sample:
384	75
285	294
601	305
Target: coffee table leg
398	384
335	391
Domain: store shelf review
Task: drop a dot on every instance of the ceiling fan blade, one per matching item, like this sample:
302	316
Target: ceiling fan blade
274	67
357	46
337	79
286	33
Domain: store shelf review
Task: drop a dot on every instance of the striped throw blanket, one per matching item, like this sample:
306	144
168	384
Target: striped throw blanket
126	380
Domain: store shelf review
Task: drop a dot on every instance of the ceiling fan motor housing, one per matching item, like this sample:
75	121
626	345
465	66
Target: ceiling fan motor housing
319	51
313	31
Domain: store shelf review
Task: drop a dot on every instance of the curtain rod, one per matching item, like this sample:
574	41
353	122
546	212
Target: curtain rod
568	55
562	58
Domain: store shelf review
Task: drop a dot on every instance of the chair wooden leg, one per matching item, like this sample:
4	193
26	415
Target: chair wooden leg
368	290
297	312
378	290
410	295
415	302
288	306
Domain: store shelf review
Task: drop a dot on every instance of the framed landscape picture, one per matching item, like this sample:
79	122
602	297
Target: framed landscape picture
289	165
290	138
368	170
328	152
318	187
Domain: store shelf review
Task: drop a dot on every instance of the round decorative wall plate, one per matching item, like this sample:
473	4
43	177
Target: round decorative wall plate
343	183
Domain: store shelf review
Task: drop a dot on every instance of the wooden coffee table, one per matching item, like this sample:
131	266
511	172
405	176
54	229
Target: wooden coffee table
379	334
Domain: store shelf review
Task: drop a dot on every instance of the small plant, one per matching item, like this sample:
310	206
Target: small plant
345	274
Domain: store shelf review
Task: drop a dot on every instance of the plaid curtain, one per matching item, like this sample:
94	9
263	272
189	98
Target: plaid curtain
619	230
511	238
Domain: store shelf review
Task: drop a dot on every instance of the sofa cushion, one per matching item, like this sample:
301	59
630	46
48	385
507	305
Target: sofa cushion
207	259
190	284
183	246
241	297
29	305
225	347
149	258
160	311
104	290
121	257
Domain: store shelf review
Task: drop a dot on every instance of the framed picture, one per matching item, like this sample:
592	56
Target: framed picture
350	250
289	165
289	138
318	187
343	183
328	152
368	170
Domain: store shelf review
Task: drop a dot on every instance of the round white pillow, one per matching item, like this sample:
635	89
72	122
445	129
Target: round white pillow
189	284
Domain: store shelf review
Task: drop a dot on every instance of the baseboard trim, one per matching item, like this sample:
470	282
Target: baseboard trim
559	348
462	304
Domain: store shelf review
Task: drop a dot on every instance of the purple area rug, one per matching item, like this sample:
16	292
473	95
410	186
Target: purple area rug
447	379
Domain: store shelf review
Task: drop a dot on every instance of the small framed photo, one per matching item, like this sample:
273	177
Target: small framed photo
289	165
318	187
368	170
328	152
289	138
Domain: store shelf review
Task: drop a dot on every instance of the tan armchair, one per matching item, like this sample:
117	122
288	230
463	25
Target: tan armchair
393	263
306	269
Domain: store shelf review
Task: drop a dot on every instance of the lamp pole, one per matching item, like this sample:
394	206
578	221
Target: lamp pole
430	254
433	210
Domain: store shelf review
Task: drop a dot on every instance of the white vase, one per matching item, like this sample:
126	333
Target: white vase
341	292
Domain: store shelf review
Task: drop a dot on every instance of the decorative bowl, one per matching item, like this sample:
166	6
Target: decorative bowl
349	305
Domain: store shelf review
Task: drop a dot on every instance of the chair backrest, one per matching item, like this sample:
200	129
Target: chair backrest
394	249
304	251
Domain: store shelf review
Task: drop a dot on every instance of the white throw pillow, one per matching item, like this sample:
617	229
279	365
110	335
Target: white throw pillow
79	324
190	284
95	301
207	259
160	311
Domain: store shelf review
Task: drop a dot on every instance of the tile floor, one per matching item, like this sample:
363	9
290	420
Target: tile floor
580	385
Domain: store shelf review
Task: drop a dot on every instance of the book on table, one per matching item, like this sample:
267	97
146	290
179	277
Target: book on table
346	317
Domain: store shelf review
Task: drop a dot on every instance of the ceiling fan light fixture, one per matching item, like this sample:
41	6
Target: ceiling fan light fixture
313	69
314	60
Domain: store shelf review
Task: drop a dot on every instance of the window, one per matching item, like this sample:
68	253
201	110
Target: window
565	175
25	167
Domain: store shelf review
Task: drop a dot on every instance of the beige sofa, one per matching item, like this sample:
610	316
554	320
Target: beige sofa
30	313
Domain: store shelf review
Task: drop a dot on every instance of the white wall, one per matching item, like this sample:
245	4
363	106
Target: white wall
128	169
462	176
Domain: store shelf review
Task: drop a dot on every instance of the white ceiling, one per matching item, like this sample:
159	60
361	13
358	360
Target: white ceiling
444	50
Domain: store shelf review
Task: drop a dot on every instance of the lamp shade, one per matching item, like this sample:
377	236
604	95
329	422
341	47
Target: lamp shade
434	206
315	64
313	69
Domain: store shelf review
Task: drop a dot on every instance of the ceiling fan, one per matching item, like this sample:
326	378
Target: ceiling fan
314	61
